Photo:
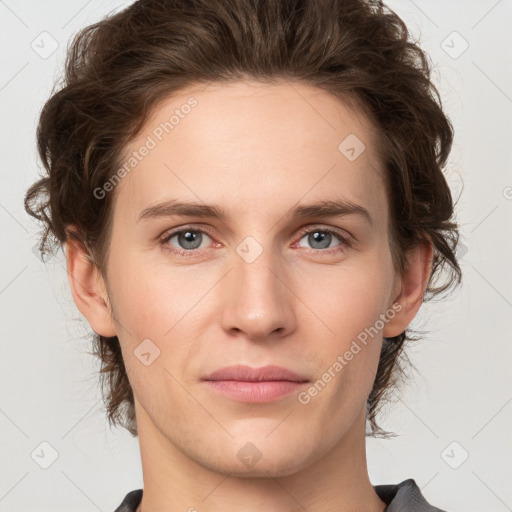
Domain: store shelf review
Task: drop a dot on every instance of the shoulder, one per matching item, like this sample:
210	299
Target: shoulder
131	501
404	496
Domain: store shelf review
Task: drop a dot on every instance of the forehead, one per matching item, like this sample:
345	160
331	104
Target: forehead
258	145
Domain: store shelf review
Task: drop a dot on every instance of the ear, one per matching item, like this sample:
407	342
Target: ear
413	283
88	288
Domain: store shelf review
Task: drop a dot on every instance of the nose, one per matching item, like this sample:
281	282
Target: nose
258	301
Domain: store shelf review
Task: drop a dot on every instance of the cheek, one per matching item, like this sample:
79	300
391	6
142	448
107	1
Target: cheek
349	298
152	298
163	305
349	305
158	305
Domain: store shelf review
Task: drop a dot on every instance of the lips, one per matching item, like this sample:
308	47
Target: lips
241	383
248	374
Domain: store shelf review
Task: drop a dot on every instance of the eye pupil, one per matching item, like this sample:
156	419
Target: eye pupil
187	239
322	237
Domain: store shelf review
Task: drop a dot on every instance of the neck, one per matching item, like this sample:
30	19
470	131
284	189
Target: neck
337	481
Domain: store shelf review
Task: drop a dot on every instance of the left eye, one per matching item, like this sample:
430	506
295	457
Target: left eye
321	239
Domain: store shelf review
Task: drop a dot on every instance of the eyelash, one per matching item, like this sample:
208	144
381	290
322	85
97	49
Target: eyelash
345	240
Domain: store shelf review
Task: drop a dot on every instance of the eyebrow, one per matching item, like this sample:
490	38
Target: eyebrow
337	208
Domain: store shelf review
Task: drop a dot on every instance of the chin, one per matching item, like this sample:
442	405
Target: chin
260	458
269	467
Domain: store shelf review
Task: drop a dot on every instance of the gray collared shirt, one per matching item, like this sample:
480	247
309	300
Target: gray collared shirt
403	497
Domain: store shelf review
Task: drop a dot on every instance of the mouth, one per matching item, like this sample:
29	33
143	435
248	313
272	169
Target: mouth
254	385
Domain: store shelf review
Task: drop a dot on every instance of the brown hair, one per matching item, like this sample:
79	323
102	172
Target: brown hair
118	69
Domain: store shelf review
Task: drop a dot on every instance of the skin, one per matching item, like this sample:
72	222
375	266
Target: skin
257	151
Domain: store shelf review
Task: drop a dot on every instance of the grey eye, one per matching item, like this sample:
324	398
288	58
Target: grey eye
189	239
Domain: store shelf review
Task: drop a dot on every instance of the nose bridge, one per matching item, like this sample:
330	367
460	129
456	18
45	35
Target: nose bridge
259	300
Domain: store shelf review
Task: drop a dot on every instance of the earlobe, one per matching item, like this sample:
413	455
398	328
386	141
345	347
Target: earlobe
88	288
413	285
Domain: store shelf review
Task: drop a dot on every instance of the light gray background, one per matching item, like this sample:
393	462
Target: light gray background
463	391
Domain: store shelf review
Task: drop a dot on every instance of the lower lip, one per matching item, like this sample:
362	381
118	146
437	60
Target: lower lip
255	392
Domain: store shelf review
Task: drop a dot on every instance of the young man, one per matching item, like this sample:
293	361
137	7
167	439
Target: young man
252	205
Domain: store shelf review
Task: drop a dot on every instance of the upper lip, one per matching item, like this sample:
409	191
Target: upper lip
246	373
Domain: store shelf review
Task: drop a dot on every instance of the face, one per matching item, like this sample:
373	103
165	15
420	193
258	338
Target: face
270	282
